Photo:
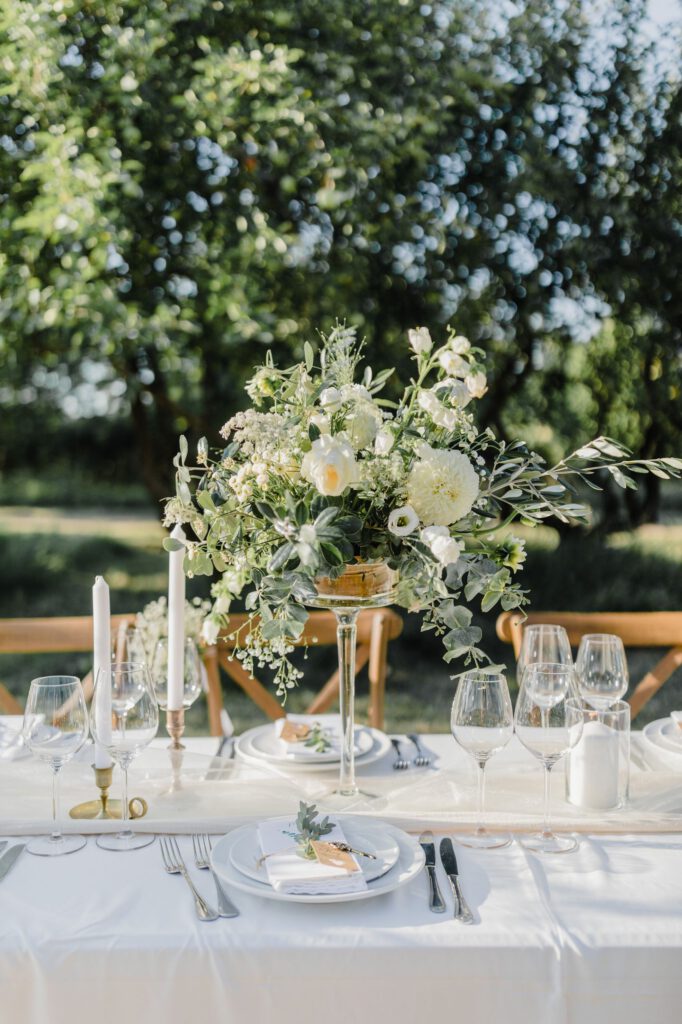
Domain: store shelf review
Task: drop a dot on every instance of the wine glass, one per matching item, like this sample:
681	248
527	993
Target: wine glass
128	645
126	688
602	670
546	644
191	673
548	722
55	727
482	723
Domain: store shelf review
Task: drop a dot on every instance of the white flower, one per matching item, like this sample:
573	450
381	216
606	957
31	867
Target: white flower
429	402
331	399
321	421
460	345
420	340
458	392
384	441
453	363
209	631
329	465
442	487
443	547
362	424
403	520
477	384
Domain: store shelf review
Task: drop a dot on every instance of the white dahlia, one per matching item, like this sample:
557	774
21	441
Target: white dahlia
442	486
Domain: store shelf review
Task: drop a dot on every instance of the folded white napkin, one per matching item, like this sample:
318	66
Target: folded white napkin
12	746
330	724
290	873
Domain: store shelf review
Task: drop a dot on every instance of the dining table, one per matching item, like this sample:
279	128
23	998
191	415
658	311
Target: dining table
590	936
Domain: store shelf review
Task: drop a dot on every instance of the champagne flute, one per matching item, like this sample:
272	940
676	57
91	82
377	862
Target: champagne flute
602	670
548	722
55	728
126	688
482	723
191	673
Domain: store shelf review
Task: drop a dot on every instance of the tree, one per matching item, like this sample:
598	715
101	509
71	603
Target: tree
186	183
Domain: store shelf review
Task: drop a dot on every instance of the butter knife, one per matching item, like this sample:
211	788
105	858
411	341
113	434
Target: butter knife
8	859
447	856
436	901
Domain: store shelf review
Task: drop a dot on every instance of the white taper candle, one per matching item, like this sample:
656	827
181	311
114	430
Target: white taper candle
101	629
176	623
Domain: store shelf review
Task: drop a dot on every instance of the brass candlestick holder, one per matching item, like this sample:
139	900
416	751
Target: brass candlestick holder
104	808
175	725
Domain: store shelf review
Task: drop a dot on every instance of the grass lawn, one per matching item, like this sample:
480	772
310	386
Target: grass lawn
51	556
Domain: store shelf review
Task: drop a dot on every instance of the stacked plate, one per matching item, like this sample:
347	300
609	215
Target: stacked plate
263	746
399	858
665	735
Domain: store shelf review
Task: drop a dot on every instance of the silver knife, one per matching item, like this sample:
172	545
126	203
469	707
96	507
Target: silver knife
7	860
226	907
436	901
447	856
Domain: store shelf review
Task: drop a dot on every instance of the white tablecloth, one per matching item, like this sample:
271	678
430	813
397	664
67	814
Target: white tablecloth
589	937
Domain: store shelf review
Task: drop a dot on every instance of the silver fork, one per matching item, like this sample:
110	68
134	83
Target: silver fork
202	858
400	763
421	760
175	865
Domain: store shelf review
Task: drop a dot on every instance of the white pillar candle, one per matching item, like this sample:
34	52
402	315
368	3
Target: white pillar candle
176	623
593	768
101	668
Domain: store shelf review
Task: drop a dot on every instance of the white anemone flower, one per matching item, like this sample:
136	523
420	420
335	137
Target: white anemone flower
442	486
330	465
403	521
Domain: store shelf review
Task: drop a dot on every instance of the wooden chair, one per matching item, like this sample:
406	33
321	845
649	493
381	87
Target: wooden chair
375	631
636	629
74	635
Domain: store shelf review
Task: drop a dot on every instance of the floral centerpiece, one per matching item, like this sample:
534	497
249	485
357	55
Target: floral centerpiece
323	472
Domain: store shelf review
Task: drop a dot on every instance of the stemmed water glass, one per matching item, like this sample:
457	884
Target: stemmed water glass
602	670
544	644
55	728
126	688
191	673
482	723
548	722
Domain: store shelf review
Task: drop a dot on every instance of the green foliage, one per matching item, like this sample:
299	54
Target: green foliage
186	183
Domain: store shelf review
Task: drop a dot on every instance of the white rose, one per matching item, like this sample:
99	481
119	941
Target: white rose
321	421
477	384
460	345
362	424
329	465
403	520
331	399
452	363
384	441
442	546
420	340
458	392
442	486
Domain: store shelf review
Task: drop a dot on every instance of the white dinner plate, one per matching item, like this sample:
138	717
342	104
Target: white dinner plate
663	734
408	865
266	743
248	751
370	836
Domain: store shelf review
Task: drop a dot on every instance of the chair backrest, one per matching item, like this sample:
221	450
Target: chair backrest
375	630
74	635
636	629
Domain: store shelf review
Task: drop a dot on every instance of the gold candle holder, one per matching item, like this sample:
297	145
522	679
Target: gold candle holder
175	725
104	808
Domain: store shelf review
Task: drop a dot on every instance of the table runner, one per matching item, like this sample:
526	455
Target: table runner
214	794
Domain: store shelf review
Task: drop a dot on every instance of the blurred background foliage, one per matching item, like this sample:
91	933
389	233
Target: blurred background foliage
186	185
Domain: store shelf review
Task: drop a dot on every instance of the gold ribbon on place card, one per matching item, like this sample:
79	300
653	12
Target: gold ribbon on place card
330	855
294	732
